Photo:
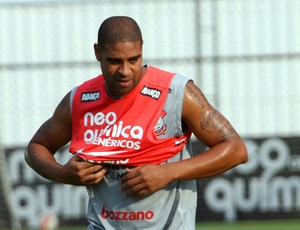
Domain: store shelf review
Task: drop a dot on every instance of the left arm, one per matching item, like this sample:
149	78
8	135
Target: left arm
226	149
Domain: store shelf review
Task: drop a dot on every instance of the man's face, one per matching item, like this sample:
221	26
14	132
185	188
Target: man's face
121	65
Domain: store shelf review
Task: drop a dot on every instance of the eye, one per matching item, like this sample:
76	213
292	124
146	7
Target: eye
114	61
133	60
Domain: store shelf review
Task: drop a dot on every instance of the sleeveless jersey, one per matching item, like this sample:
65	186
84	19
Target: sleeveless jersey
173	207
124	131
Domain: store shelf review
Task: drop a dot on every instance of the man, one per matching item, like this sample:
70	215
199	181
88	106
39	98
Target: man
129	130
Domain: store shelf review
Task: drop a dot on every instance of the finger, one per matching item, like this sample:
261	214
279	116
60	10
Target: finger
77	158
99	176
80	162
129	170
86	163
134	190
131	173
94	169
133	184
142	192
95	178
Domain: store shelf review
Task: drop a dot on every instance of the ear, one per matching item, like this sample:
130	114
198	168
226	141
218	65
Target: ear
97	52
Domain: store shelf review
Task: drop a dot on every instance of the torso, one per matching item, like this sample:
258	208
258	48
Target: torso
170	208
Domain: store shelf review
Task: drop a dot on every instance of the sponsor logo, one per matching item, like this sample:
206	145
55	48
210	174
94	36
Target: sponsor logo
90	96
107	130
151	92
119	215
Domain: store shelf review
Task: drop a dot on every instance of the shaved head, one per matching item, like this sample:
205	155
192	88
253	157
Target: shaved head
119	29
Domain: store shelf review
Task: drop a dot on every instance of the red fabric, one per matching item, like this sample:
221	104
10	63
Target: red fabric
122	131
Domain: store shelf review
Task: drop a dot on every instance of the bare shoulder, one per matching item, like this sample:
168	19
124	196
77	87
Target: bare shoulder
208	124
56	131
195	103
63	109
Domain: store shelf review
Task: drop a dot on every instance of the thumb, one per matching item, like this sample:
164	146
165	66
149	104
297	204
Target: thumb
77	158
132	169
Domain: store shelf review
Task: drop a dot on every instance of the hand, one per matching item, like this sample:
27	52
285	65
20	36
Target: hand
143	180
79	172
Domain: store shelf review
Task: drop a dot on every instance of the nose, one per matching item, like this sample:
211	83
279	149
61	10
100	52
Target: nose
124	69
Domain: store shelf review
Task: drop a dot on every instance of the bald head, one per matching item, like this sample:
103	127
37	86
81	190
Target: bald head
119	29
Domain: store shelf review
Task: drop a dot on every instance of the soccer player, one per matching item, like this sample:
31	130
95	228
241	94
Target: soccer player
129	130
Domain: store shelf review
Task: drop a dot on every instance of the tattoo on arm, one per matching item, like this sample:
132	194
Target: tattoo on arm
44	129
211	120
215	122
196	94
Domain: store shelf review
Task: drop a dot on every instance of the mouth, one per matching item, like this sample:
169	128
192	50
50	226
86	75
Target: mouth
123	83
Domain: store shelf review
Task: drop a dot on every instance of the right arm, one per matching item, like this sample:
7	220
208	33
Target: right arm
51	136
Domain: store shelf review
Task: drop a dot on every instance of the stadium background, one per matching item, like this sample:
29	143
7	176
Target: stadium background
244	54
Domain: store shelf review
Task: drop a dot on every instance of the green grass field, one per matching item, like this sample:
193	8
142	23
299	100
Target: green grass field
252	225
241	225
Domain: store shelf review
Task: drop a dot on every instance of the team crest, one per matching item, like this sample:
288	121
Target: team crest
160	126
